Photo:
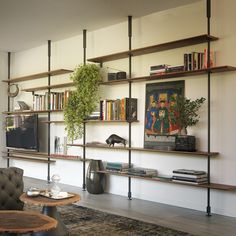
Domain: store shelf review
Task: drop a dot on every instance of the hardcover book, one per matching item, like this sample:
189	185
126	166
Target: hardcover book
189	172
197	180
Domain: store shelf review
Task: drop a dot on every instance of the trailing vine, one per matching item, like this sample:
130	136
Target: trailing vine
82	101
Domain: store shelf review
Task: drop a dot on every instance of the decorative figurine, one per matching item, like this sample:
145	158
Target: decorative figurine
115	139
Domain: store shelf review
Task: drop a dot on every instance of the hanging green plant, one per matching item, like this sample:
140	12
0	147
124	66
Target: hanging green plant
83	101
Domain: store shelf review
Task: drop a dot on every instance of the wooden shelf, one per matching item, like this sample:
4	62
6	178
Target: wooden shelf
171	75
155	48
110	121
11	151
104	146
159	179
218	69
38	76
90	121
67	157
28	158
53	121
29	112
54	86
40	155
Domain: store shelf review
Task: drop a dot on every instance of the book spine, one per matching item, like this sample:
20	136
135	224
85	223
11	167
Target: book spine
158	67
189	179
190	61
101	110
122	109
191	176
131	109
189	172
187	182
185	61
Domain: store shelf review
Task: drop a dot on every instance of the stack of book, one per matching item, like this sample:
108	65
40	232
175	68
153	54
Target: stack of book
117	166
176	68
142	172
158	69
95	115
189	176
163	68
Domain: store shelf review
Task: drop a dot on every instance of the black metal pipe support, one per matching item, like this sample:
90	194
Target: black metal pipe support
208	208
84	44
49	113
84	125
130	93
8	98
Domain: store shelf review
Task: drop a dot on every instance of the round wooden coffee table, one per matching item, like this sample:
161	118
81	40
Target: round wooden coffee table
50	209
21	222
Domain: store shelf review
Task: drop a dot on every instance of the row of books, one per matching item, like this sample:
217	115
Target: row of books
179	175
192	61
189	176
50	101
118	109
198	60
124	167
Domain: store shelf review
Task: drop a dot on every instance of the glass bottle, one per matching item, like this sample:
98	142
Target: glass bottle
55	189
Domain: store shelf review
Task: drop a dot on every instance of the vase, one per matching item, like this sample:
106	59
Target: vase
95	181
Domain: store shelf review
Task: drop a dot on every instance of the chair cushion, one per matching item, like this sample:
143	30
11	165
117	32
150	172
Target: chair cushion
11	187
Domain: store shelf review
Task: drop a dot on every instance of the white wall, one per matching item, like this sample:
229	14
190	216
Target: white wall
161	27
3	102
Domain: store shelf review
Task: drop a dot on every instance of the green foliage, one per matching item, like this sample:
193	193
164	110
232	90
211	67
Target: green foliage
83	101
184	112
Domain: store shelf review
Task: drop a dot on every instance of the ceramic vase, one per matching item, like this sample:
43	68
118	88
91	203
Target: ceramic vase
95	181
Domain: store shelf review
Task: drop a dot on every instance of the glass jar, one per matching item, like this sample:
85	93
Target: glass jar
55	189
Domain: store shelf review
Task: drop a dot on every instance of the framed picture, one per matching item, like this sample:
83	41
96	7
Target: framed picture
159	130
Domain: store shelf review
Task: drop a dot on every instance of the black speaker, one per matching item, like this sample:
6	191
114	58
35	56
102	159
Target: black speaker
111	76
117	76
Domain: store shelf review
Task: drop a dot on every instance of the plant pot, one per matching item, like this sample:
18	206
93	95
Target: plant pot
185	143
95	181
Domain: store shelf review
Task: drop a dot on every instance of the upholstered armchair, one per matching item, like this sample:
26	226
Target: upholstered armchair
11	187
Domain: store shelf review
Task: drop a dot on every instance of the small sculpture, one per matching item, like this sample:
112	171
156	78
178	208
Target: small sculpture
115	139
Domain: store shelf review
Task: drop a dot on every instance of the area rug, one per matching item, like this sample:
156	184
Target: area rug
85	221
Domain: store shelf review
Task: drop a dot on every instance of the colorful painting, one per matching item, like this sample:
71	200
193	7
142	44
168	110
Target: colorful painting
160	101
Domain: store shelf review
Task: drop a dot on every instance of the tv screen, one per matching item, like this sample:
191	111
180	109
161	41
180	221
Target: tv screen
22	132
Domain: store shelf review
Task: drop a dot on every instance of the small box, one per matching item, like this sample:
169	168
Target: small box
185	143
121	75
111	76
117	76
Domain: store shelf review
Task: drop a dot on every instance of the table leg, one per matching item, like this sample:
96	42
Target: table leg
60	230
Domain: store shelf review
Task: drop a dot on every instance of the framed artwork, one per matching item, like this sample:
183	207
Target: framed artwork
159	131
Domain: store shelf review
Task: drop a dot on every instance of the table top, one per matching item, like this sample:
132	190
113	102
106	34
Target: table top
25	222
45	201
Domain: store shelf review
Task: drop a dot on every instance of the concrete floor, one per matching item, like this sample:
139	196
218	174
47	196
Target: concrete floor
187	220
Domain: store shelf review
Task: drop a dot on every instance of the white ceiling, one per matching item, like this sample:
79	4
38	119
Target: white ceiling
26	24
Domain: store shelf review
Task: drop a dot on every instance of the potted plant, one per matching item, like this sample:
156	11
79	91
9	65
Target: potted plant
184	113
82	101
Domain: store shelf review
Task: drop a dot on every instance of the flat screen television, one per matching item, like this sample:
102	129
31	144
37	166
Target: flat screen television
22	132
